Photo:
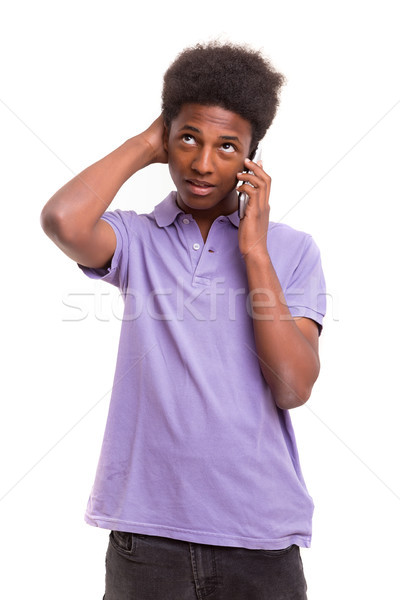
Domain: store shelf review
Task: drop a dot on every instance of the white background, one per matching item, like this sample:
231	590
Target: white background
78	79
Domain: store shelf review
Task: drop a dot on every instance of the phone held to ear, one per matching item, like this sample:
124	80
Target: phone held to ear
242	196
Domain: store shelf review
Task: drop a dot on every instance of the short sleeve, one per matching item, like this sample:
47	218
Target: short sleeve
117	273
306	292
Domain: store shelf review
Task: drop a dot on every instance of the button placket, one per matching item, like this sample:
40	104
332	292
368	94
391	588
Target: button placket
203	262
205	269
192	233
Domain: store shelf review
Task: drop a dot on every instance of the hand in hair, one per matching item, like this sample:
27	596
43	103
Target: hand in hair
154	137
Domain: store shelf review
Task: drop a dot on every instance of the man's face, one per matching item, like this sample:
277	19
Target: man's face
206	147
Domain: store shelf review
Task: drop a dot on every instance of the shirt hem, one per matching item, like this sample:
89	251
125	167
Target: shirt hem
199	537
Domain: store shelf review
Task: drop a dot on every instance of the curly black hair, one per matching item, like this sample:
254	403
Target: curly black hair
234	77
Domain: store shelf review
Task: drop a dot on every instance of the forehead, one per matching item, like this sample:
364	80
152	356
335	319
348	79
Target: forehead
213	120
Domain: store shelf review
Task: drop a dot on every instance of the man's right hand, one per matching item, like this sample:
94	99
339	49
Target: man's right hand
154	137
72	217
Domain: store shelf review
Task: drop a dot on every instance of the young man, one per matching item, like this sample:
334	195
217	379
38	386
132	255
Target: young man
199	478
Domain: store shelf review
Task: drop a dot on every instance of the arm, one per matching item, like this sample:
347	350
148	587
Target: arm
72	217
287	349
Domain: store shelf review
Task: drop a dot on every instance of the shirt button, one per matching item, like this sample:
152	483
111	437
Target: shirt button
186	221
196	246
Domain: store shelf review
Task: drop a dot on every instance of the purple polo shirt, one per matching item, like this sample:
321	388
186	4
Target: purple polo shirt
195	448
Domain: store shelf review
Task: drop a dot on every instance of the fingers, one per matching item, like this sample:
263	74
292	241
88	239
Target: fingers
247	188
257	184
257	172
259	180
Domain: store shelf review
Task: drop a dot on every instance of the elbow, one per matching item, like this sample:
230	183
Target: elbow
59	227
296	392
49	221
52	218
287	399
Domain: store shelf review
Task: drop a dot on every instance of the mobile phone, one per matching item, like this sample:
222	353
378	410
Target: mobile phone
242	196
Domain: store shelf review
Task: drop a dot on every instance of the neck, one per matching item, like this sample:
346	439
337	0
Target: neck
225	207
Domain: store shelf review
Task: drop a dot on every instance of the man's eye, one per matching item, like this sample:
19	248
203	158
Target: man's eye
188	139
228	147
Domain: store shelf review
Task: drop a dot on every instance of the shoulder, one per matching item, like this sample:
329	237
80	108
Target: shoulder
283	232
284	239
162	214
294	253
129	222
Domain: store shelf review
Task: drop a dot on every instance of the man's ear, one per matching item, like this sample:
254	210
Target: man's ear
252	152
165	137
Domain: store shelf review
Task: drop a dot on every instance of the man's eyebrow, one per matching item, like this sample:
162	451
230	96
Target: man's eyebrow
229	137
191	128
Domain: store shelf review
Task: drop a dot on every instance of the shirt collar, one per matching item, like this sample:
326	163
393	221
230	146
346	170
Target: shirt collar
166	212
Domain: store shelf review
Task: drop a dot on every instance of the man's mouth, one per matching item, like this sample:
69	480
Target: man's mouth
200	188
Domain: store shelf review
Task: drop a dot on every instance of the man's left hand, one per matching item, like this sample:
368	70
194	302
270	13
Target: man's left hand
253	226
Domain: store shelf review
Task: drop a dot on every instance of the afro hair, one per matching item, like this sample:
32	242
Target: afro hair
234	77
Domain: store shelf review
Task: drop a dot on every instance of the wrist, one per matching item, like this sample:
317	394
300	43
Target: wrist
138	153
257	255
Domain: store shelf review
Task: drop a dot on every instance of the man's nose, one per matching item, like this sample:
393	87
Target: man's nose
203	161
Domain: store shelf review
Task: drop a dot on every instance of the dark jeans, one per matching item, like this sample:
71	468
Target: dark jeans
142	567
